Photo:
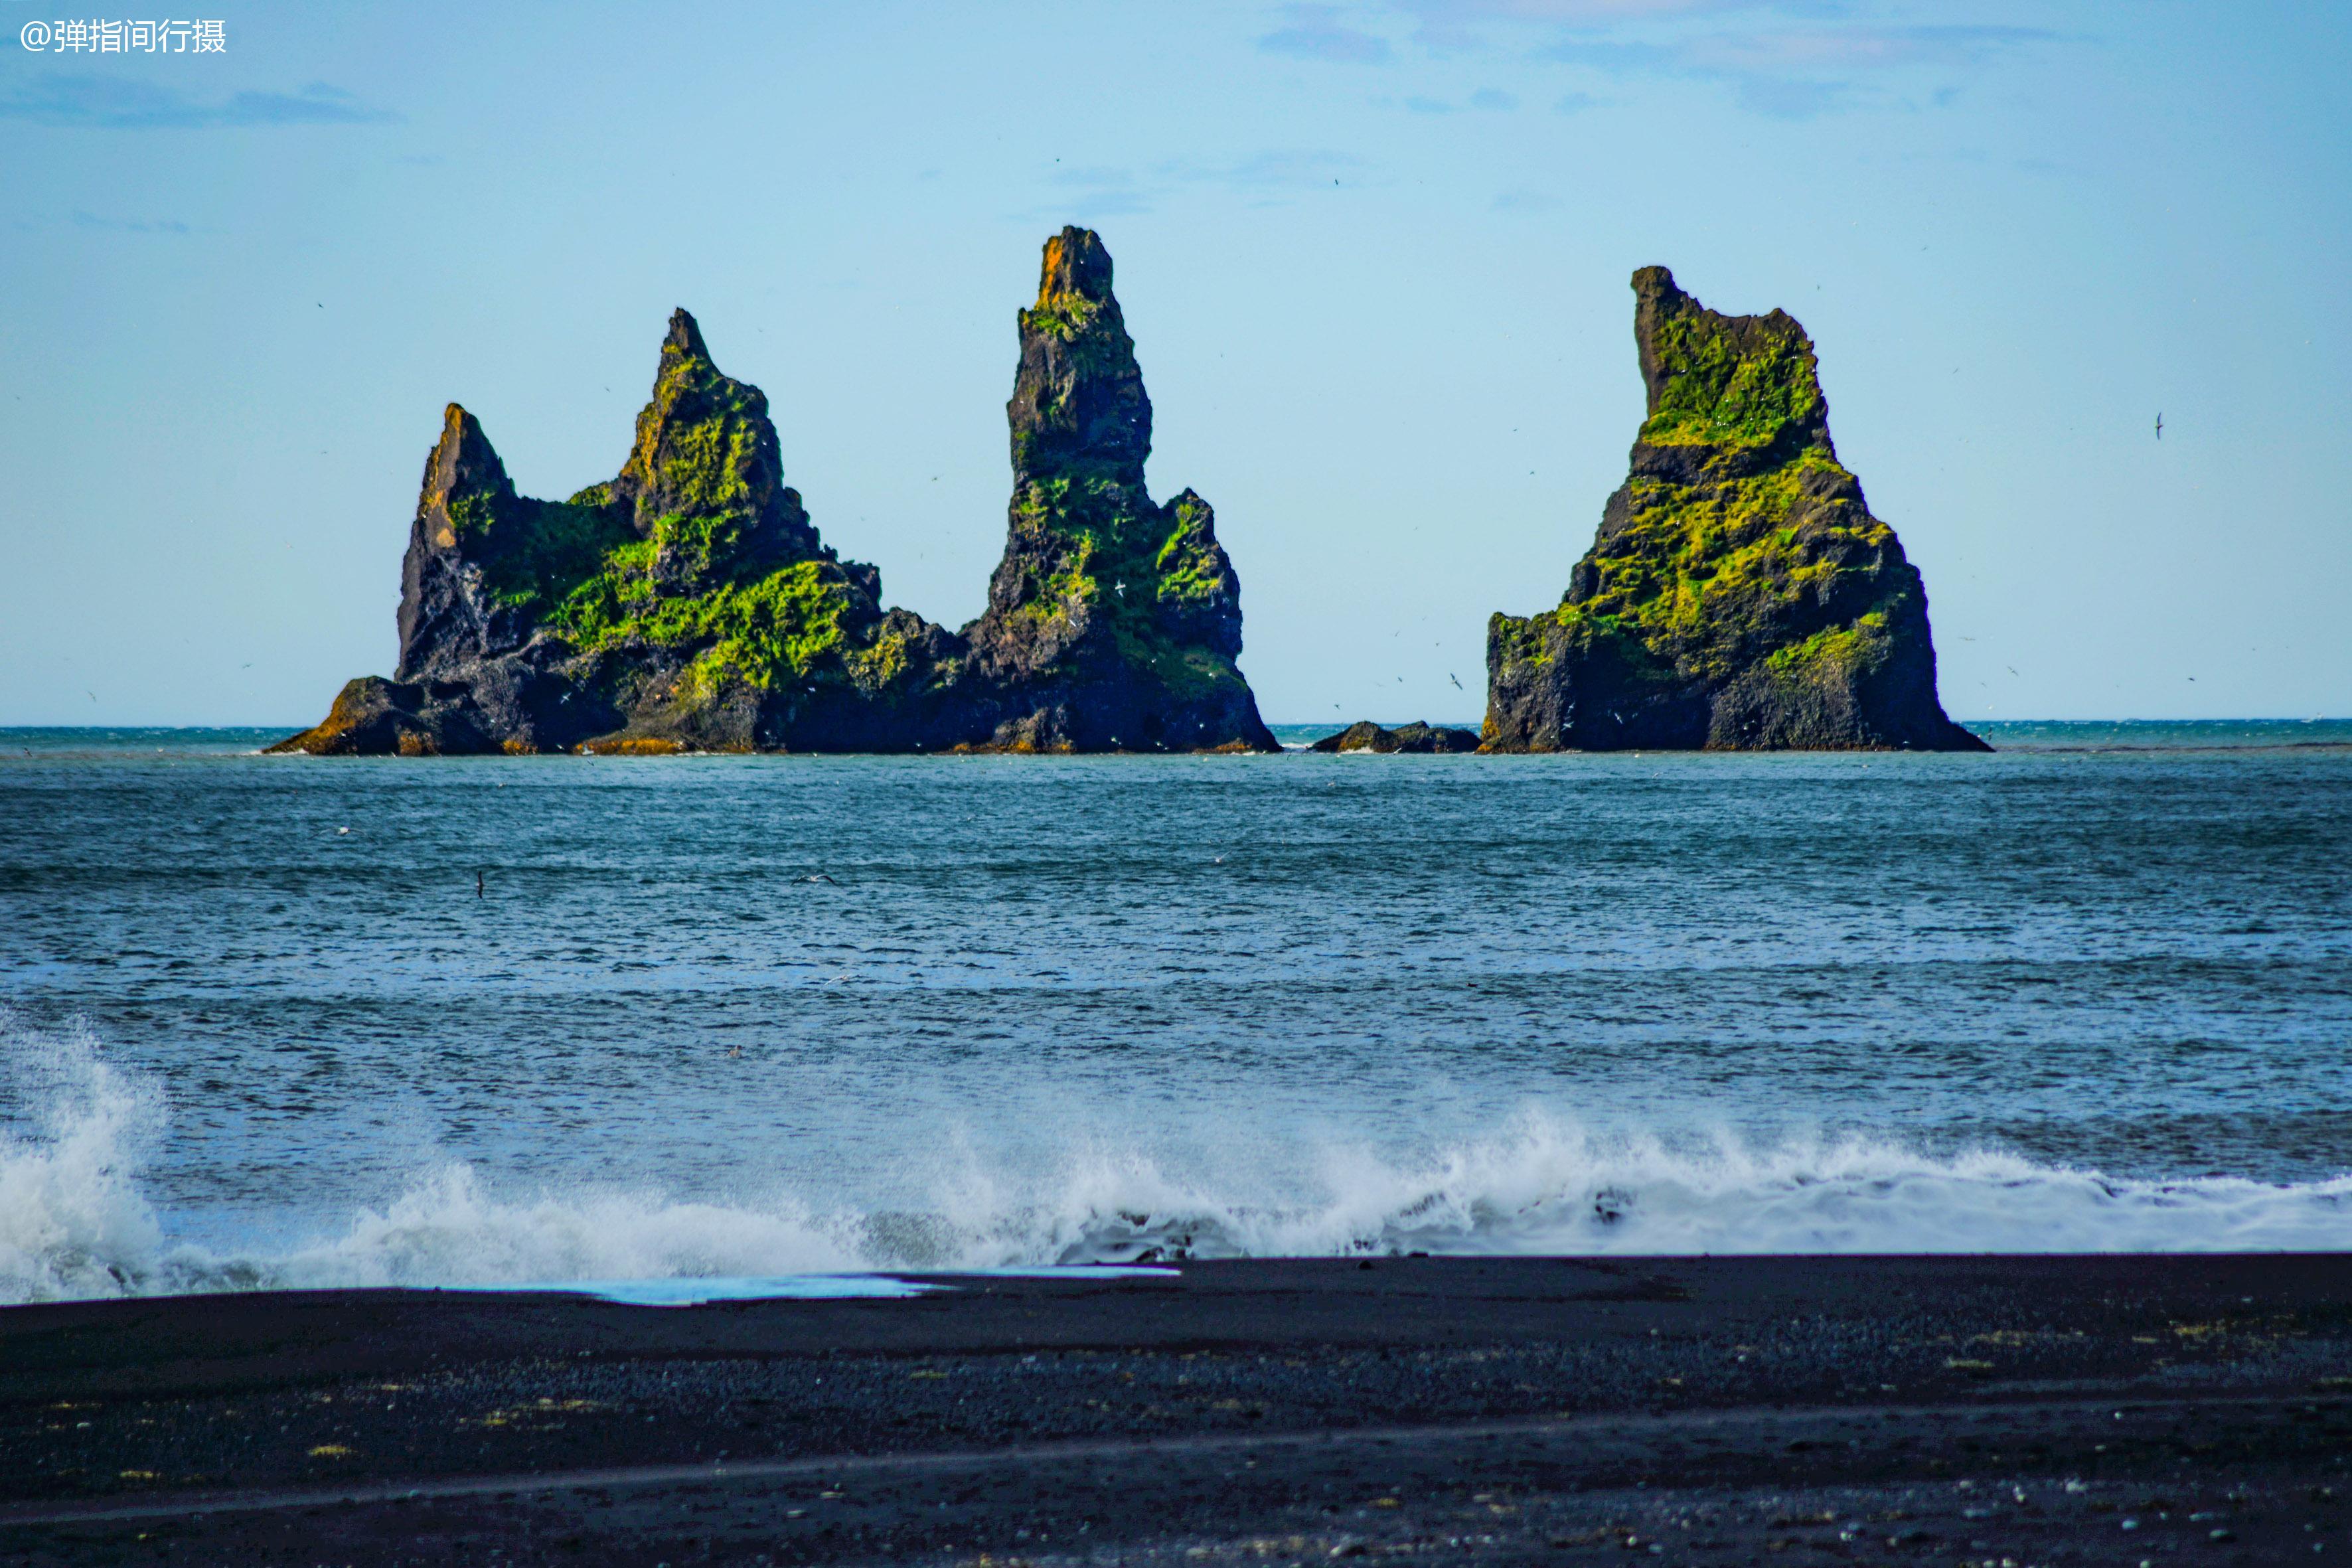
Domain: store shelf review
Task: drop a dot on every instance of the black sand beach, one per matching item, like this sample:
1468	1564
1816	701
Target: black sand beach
2001	1411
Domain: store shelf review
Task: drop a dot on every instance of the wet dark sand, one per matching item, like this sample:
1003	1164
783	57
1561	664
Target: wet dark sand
1986	1411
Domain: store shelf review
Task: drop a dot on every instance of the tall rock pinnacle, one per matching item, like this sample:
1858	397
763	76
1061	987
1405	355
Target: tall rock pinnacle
467	513
1078	407
1116	620
1739	593
687	603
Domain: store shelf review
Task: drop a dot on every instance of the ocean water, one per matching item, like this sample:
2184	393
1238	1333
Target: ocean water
726	1017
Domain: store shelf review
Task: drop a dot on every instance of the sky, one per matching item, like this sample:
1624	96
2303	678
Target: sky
1374	257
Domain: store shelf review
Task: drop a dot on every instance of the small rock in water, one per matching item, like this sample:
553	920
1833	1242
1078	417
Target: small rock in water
1418	736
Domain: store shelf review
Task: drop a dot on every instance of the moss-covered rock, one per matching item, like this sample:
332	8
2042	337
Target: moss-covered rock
689	604
1113	622
1739	593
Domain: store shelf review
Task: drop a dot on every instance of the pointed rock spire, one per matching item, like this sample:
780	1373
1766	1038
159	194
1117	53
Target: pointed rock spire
706	449
465	484
685	336
465	510
1078	408
1074	263
1112	622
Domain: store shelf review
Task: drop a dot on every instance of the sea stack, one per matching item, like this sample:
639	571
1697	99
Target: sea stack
1740	596
686	605
1113	623
689	604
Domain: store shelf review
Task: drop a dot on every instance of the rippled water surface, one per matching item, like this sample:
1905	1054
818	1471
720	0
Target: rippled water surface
732	1015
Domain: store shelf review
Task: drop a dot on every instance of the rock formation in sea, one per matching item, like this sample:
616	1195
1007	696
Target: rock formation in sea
688	605
1418	736
1739	595
1112	622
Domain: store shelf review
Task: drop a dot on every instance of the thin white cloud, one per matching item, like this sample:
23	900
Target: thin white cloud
1526	199
119	103
130	225
1098	192
1486	99
1575	13
1797	51
1796	72
1274	175
1317	33
1277	168
1781	58
1462	24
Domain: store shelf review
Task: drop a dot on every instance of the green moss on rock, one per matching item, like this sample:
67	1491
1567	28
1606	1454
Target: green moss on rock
688	604
1732	380
557	545
1738	592
754	631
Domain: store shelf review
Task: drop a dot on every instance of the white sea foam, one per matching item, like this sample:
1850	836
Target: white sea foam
1544	1187
446	1229
77	1221
71	1215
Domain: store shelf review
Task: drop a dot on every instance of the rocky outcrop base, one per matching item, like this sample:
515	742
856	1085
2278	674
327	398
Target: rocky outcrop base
1416	737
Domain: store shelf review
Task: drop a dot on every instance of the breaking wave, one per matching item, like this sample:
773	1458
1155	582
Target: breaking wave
76	1220
73	1220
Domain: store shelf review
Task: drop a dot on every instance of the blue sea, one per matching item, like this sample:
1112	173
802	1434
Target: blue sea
288	1021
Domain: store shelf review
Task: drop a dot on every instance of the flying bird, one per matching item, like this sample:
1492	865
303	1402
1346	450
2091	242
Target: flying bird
1457	685
2160	426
